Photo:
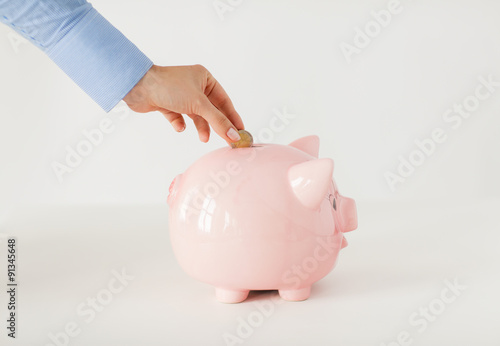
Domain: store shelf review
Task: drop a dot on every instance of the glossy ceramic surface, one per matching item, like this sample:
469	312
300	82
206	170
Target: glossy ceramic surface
259	218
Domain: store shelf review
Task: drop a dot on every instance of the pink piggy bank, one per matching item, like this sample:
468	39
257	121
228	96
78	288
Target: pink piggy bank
259	218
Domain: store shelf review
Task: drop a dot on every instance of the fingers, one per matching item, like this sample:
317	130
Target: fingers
219	98
175	119
179	93
219	122
202	127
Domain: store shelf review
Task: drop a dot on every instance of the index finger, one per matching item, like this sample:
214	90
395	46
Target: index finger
219	98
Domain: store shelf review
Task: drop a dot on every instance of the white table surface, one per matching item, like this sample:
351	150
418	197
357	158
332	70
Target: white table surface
396	263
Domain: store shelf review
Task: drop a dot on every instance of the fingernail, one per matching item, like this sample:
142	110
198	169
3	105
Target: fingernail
233	135
181	127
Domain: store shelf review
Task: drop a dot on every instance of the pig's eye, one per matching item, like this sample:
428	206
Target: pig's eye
333	201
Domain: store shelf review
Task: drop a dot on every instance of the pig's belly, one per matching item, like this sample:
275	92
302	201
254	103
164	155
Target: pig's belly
256	262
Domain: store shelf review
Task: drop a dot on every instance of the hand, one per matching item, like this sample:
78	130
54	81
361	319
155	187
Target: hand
191	90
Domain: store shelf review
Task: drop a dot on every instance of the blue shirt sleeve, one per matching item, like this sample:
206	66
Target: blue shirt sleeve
91	51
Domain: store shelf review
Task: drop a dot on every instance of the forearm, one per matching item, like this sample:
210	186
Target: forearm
98	57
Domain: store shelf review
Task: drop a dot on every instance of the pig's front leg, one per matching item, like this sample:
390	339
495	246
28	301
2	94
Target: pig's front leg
295	295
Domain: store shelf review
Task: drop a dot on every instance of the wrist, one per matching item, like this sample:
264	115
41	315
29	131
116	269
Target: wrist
138	98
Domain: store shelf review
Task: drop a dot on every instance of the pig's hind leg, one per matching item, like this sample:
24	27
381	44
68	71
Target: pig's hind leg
230	296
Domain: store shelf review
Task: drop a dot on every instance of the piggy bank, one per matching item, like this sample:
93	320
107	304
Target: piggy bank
266	217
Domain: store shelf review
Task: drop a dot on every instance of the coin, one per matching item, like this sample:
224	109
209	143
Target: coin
245	141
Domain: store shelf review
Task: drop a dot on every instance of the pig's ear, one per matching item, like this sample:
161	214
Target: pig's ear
310	181
308	144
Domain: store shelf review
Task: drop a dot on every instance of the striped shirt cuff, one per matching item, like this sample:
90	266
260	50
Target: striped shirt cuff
100	60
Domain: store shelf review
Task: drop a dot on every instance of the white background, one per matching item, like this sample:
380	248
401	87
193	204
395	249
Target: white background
270	56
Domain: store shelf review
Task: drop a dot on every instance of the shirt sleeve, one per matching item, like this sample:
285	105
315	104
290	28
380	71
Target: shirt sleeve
91	51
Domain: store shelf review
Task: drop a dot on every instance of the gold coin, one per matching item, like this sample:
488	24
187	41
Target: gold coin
245	141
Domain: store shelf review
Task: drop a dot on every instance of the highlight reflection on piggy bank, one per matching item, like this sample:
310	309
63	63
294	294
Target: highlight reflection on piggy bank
259	218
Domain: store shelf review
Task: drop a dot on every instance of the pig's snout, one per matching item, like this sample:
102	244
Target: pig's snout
348	215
